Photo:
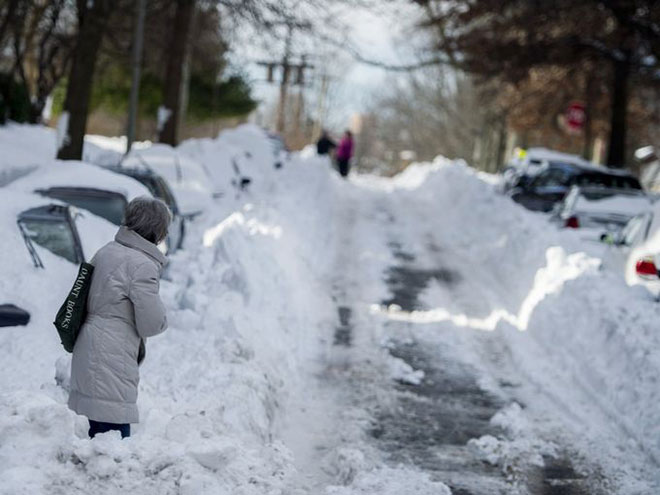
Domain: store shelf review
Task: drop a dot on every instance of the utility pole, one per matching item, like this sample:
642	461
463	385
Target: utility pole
321	106
292	73
284	83
138	42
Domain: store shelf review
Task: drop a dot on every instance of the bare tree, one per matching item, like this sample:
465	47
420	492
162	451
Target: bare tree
506	40
435	111
43	37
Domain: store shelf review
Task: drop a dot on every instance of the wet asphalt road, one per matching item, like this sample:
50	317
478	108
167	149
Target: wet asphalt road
430	424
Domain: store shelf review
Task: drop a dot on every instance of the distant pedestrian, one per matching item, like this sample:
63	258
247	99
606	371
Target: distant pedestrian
123	309
345	153
325	145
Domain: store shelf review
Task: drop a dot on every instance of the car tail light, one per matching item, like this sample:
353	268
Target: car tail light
572	223
646	268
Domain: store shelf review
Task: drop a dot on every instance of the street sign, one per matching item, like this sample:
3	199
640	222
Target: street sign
576	116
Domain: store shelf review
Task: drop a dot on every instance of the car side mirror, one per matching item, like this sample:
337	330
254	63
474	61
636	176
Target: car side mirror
13	316
608	238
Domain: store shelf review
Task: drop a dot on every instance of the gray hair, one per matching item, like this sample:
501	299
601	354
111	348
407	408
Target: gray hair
148	217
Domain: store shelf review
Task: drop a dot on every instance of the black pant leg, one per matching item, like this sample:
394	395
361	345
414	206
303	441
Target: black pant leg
343	167
96	427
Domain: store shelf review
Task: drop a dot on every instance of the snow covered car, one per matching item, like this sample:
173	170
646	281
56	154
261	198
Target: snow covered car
188	179
600	210
552	182
522	169
44	241
99	191
635	251
85	186
160	189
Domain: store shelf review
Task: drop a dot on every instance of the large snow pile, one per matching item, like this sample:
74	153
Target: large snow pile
243	301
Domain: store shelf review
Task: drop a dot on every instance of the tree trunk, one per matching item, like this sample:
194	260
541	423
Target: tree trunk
92	23
174	78
588	144
616	153
8	19
501	144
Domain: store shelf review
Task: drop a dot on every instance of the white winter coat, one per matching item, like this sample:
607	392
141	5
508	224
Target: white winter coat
123	307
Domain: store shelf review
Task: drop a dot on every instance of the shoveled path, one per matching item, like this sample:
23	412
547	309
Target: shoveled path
360	416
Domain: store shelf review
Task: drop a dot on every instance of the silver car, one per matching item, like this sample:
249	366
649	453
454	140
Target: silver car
600	209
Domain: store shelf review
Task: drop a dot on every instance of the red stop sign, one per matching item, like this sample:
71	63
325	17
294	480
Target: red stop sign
576	116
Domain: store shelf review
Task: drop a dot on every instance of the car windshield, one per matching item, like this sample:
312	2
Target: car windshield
110	206
55	235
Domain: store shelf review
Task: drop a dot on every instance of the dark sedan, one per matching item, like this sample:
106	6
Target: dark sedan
551	184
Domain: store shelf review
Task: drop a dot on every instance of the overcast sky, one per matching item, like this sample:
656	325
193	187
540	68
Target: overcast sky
380	36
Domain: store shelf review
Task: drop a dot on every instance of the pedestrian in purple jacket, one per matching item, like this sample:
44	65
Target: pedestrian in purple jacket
344	153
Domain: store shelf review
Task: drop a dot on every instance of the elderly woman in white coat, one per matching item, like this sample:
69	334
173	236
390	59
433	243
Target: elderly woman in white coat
123	309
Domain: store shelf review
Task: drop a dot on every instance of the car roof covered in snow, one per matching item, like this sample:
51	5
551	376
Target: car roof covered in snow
589	168
79	174
552	155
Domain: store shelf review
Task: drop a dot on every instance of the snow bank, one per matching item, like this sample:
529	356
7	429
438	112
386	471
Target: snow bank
242	303
596	315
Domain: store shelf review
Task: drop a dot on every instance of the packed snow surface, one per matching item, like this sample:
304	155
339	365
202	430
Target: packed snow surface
227	396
